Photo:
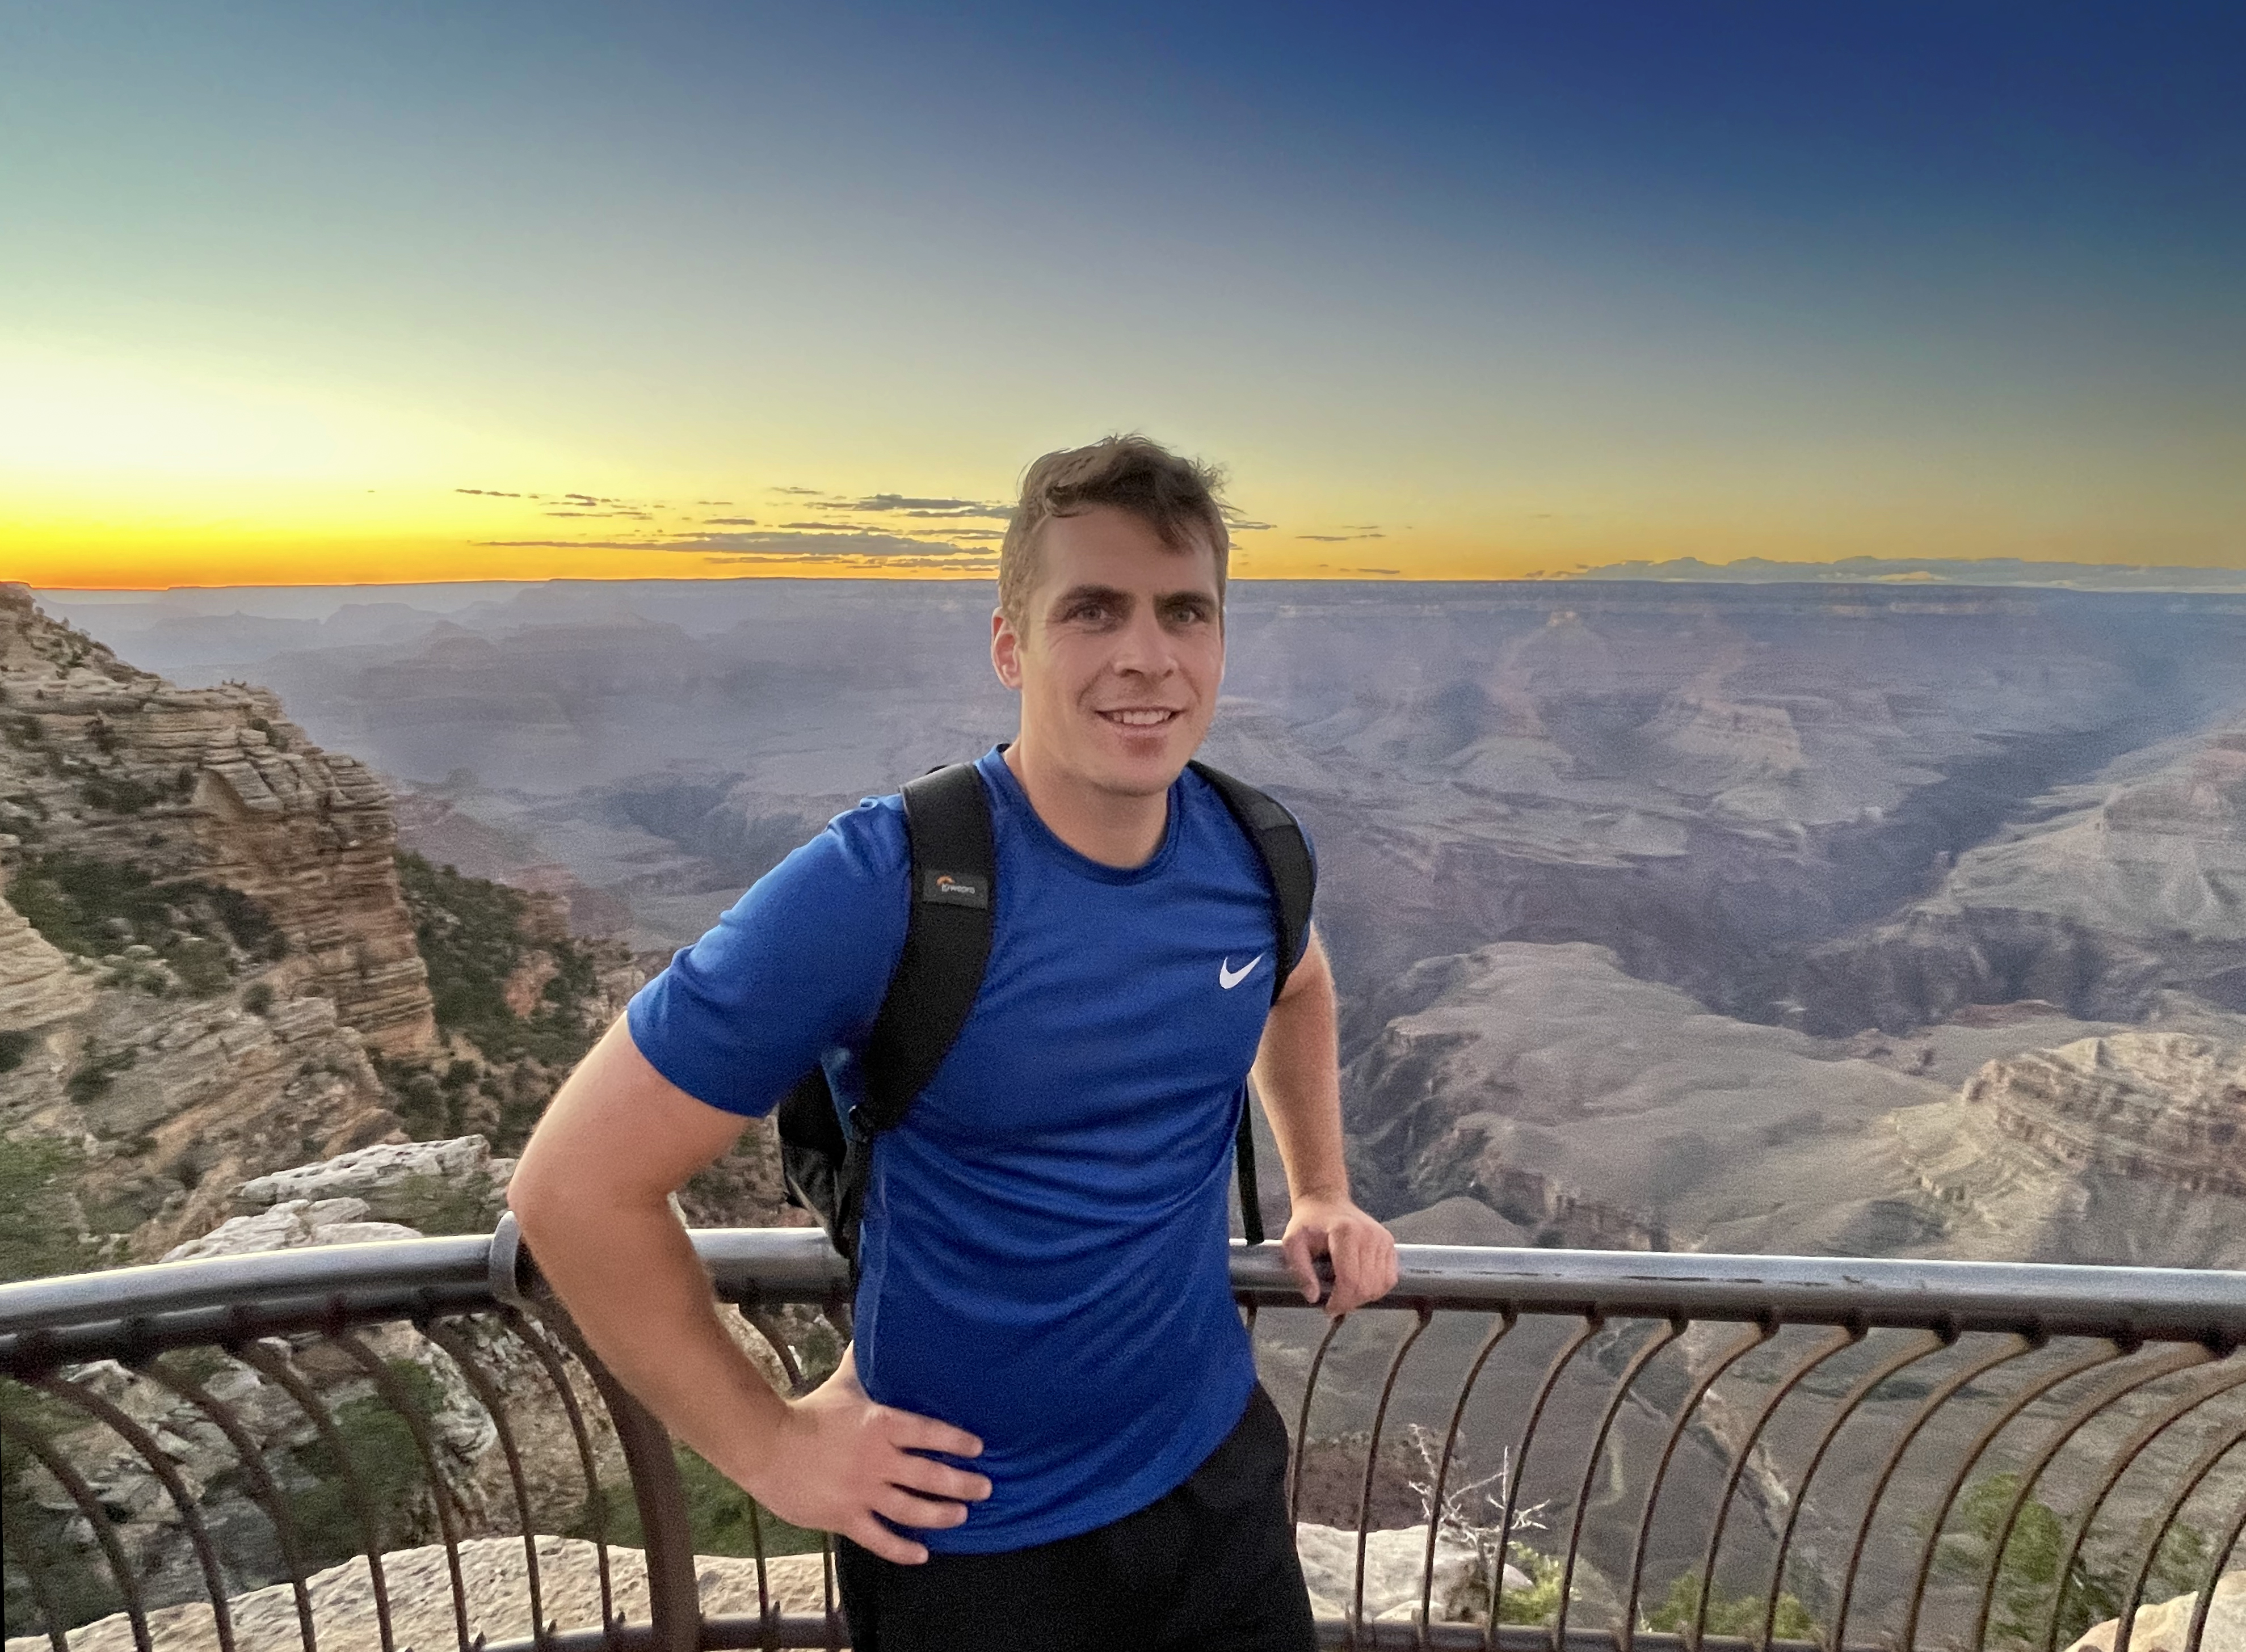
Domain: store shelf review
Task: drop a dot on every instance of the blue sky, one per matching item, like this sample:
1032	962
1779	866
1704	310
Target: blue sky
1509	286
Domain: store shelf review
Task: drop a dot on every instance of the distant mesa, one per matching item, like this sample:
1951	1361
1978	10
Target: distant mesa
1928	571
1883	570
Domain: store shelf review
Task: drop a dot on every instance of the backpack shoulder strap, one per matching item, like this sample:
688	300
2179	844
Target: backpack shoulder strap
955	879
1287	863
1293	875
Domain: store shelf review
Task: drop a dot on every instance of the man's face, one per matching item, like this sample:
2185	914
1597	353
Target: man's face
1119	661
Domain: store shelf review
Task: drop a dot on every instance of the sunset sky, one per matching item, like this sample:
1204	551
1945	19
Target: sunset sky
325	293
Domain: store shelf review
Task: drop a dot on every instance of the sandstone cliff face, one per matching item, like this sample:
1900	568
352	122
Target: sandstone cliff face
2130	1147
163	1105
116	766
220	945
2162	1106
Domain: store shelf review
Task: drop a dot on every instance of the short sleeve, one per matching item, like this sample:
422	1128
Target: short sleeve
796	969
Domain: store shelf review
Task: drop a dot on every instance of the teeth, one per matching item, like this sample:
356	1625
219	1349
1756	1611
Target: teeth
1139	719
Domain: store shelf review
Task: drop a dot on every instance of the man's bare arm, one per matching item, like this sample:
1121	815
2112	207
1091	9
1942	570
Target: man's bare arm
1298	1076
592	1194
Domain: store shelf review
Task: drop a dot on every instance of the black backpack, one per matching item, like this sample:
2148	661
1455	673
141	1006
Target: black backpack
947	944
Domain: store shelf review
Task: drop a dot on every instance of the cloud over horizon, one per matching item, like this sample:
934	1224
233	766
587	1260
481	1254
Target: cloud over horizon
909	505
854	547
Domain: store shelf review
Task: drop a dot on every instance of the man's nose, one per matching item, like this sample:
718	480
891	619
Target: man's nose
1144	647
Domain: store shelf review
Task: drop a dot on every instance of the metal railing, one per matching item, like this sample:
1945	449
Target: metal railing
400	1445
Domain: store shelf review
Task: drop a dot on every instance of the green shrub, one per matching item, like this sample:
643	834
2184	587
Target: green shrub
121	795
418	1097
68	899
79	904
258	999
37	1235
720	1512
200	964
72	901
246	924
97	1071
471	934
1539	1602
1737	1615
391	1477
2028	1575
75	1578
15	1045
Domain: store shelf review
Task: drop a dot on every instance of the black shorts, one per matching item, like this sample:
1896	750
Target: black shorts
1210	1567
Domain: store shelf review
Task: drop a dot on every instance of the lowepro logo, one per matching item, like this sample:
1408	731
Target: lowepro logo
954	889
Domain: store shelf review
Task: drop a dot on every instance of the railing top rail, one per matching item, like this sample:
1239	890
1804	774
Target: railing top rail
241	1296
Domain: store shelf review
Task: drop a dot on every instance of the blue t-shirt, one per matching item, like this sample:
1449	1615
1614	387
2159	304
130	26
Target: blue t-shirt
1043	1257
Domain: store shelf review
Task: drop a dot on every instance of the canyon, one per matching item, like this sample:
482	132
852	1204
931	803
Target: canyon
1770	872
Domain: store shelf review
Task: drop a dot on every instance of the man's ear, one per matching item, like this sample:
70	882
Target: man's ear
1005	650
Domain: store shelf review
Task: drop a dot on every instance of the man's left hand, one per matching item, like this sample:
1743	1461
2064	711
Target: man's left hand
1362	1251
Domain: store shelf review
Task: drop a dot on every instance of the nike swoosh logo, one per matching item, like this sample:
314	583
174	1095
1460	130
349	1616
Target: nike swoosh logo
1227	977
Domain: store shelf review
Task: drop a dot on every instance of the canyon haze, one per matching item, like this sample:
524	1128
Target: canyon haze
1876	919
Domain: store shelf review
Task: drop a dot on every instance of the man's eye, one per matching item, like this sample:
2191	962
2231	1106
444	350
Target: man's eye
1091	611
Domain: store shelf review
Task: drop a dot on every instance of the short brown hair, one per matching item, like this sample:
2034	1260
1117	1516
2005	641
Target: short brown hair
1172	495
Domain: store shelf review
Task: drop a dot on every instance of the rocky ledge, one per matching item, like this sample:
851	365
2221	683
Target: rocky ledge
2162	1106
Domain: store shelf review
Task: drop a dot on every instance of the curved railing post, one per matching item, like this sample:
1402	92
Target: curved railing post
674	1597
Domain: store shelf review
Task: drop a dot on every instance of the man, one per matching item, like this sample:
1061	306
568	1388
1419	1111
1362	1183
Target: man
1044	1290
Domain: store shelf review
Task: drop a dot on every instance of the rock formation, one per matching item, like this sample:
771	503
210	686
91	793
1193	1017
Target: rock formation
108	763
435	1186
2129	1147
293	1224
163	1104
37	986
1586	1108
2114	892
2165	1626
214	964
1589	1109
2163	1107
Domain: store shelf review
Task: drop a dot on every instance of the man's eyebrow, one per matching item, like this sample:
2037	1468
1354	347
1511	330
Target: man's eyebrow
1091	593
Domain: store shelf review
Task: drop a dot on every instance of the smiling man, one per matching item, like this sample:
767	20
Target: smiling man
1048	1433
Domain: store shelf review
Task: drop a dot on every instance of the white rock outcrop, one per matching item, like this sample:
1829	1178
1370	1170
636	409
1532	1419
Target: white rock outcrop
379	1173
2165	1626
291	1226
1395	1563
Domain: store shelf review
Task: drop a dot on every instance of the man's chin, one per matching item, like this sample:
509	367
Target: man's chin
1144	772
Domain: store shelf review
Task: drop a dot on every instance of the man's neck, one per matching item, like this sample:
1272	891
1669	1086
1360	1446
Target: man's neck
1106	827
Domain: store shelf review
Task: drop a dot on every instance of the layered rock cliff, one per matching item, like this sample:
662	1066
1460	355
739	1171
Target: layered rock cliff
105	764
2128	1147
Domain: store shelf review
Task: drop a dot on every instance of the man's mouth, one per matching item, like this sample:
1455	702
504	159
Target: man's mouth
1147	716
